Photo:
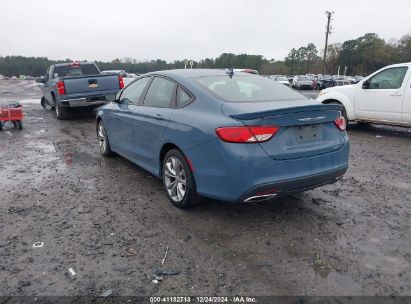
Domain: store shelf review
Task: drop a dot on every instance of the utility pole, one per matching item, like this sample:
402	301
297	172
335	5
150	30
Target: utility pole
329	15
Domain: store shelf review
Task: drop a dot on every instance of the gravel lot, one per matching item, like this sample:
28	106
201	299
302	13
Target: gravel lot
110	222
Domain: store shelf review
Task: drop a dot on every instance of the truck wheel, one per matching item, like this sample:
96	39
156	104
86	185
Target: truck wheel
103	140
343	111
45	104
178	180
61	112
363	124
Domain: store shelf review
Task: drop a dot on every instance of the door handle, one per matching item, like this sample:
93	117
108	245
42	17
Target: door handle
396	94
158	117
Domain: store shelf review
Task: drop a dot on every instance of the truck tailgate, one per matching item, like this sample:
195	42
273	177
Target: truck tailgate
88	84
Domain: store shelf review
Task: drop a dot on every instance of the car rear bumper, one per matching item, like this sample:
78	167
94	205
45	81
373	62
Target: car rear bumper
235	172
83	102
286	187
305	85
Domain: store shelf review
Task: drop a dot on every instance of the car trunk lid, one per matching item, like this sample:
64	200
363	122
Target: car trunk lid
305	128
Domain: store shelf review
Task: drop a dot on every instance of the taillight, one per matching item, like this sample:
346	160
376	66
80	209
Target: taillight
249	134
61	88
120	82
341	123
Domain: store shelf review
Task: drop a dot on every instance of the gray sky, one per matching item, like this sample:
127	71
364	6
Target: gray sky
178	29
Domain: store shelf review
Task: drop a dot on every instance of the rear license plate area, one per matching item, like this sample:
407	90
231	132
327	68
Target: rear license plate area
306	134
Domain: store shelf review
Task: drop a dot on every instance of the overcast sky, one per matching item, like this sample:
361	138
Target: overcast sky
178	29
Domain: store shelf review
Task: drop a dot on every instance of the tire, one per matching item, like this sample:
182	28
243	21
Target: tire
46	104
178	180
343	111
363	124
102	137
61	112
20	124
1	126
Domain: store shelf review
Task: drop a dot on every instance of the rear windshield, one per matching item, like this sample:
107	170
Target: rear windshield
75	70
246	88
304	78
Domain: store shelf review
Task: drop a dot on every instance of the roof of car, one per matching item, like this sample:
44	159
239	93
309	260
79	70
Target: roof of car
400	64
191	73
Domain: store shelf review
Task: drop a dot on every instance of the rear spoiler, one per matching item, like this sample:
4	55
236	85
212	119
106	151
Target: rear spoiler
282	111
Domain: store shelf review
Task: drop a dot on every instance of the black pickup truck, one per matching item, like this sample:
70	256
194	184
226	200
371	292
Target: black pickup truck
77	84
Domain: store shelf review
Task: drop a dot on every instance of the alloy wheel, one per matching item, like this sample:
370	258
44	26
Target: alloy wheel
101	138
175	179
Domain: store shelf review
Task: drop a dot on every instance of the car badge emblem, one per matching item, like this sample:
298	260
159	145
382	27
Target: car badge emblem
312	118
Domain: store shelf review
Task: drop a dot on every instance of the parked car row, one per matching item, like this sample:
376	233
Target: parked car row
21	77
315	82
122	73
222	134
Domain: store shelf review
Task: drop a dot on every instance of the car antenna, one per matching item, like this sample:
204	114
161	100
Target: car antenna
230	72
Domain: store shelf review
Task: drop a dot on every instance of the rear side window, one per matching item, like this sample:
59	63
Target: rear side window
246	88
160	93
132	93
183	97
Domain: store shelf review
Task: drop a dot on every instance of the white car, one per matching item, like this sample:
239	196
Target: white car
383	97
283	80
302	82
249	71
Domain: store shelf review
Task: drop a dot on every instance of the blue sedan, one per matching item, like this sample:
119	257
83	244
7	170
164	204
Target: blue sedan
225	135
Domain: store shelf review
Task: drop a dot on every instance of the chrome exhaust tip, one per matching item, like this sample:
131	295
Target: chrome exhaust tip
260	198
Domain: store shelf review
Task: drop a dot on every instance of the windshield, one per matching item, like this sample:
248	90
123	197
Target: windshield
281	79
304	78
246	88
75	70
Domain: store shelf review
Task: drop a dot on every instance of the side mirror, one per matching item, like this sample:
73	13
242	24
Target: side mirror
110	97
366	84
41	79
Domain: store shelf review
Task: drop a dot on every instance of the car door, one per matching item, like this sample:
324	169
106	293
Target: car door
380	96
150	120
119	119
406	103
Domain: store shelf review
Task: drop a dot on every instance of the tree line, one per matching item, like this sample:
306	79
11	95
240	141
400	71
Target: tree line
360	56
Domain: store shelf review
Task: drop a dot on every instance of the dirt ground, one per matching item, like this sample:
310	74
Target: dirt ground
111	222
